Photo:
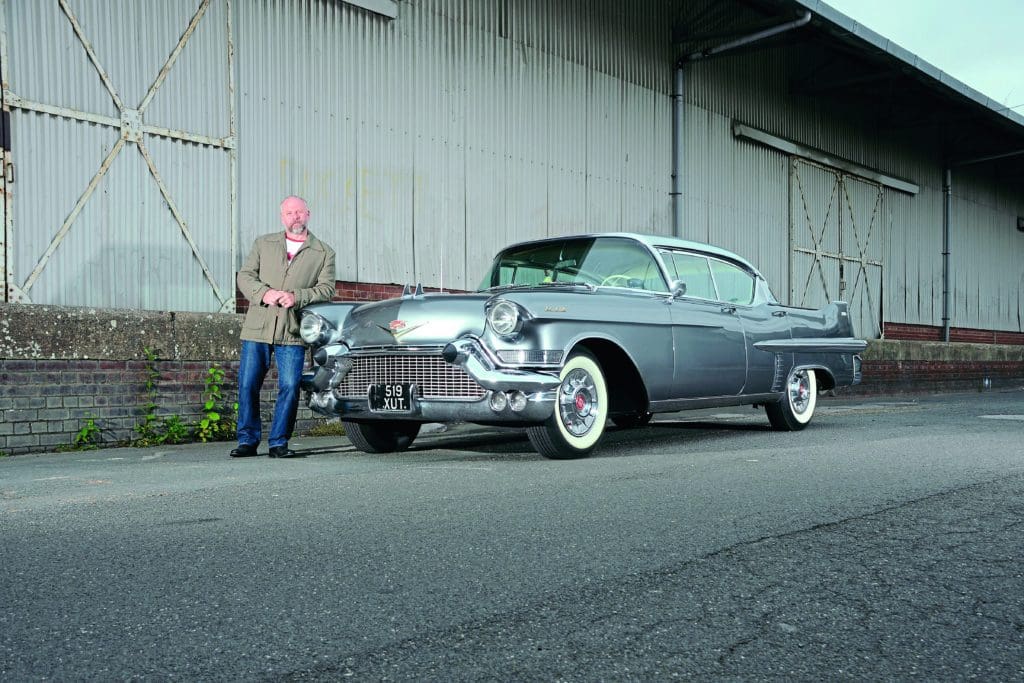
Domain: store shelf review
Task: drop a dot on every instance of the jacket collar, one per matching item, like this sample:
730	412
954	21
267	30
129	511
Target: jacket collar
311	241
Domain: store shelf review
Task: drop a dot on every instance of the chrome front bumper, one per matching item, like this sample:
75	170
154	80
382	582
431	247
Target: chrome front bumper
540	388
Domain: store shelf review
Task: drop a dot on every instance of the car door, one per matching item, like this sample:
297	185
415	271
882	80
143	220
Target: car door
709	346
738	287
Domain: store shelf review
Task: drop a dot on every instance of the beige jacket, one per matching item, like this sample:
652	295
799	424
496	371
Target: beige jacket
310	276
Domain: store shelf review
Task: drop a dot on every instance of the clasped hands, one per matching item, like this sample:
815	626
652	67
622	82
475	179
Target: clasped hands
279	297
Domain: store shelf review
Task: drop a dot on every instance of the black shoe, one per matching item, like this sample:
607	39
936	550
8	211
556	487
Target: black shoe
244	450
282	452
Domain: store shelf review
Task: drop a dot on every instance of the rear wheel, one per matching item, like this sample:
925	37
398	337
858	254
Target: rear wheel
381	437
581	409
796	408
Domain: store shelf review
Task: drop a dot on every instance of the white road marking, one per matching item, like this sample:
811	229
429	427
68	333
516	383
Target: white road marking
1018	418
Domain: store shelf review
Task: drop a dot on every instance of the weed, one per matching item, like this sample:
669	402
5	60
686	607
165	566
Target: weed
155	430
88	437
216	423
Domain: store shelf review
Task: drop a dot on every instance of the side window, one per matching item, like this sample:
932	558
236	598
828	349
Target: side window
693	271
735	285
616	262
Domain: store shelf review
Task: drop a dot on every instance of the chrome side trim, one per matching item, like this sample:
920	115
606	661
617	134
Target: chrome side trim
812	345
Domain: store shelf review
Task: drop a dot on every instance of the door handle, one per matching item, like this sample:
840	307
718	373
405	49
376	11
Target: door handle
728	309
779	314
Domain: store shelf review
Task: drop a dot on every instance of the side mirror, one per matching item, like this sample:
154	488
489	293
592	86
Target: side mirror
678	289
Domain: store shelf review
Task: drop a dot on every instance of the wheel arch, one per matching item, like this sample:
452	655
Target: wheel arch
826	380
627	391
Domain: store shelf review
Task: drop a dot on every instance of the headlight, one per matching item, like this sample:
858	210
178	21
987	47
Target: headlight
504	318
313	329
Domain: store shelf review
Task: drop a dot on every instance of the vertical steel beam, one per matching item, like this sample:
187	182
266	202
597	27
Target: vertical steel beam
6	256
236	262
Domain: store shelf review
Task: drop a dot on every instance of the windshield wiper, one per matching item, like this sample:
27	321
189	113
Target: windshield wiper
534	285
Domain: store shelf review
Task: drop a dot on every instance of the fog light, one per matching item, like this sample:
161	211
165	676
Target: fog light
516	401
498	401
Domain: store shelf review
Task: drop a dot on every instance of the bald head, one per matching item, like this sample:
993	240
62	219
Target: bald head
294	215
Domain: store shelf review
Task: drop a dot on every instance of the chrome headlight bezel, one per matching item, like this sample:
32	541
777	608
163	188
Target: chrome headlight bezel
314	329
505	318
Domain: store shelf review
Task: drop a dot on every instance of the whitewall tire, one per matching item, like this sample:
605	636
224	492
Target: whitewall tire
581	411
796	408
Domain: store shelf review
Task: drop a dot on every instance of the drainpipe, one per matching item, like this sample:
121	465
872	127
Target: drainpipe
677	104
677	152
947	205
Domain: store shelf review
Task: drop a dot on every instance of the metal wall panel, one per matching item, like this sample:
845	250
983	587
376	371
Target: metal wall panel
120	118
986	253
753	88
736	195
454	130
425	143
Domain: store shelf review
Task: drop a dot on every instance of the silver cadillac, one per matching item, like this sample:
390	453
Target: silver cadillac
568	333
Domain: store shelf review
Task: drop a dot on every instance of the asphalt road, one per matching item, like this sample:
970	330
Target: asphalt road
885	542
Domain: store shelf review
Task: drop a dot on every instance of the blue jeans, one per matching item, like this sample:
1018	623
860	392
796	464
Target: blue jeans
252	370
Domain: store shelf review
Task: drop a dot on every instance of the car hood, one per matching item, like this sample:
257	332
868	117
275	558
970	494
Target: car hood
422	320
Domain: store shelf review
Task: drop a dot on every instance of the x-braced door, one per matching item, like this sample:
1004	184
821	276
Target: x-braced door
123	134
837	226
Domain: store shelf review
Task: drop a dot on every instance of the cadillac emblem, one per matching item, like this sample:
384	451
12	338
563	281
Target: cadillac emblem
399	328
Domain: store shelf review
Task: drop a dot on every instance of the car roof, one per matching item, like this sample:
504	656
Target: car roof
656	242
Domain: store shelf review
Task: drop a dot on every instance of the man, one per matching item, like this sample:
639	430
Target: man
284	272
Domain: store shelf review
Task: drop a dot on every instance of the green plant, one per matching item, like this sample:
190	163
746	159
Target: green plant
88	437
175	430
216	424
155	430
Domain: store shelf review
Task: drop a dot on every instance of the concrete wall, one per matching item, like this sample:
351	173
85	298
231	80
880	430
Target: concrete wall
61	365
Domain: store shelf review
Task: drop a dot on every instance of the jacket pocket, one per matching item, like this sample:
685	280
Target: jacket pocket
254	322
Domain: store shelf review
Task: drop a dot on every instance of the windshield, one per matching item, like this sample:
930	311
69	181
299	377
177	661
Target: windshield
600	261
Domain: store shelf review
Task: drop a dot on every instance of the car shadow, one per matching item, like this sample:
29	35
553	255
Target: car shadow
618	442
484	442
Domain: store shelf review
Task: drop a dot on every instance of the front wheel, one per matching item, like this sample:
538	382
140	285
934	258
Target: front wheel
796	408
381	437
581	410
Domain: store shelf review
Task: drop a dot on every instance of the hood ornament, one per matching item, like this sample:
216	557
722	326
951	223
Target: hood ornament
399	328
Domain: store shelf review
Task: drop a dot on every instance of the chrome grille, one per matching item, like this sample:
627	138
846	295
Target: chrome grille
433	376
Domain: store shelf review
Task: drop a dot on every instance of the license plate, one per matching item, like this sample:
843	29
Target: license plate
391	398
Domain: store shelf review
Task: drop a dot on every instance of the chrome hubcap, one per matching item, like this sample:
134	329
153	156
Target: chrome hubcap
577	402
799	392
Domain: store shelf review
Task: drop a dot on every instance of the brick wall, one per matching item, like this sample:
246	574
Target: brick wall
61	365
46	402
916	376
906	331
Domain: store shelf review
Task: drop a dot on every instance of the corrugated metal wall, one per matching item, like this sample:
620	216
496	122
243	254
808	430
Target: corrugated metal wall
427	142
987	251
91	224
